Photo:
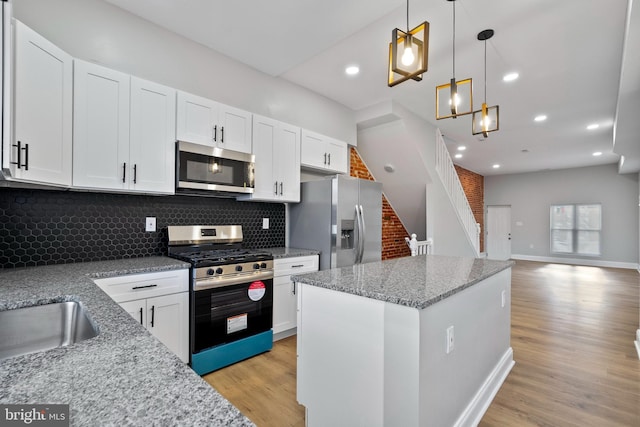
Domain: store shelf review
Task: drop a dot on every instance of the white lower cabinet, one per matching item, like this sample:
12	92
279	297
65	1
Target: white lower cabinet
159	301
285	304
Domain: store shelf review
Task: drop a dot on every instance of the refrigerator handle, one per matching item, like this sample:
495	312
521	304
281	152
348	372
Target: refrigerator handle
363	230
359	237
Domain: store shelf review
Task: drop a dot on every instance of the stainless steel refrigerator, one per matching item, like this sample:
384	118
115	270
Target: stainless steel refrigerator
341	217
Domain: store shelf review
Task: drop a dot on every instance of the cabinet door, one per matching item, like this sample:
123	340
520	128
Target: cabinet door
312	152
197	119
337	155
100	127
168	320
152	144
137	309
287	159
264	135
234	129
42	110
284	304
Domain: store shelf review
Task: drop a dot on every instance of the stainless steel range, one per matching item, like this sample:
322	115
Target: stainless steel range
231	295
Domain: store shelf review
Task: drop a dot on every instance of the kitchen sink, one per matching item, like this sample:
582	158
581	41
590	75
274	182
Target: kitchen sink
43	327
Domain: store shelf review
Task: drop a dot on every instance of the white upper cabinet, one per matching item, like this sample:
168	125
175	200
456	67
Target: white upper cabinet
124	131
42	139
276	146
203	121
323	153
100	127
153	130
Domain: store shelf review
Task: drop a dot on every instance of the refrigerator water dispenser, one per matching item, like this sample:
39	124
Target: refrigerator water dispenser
346	233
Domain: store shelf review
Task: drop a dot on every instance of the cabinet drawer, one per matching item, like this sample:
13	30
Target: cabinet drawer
137	286
287	266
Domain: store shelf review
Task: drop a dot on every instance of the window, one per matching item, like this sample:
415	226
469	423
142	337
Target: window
575	229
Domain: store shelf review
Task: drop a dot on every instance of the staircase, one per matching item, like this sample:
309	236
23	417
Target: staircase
449	178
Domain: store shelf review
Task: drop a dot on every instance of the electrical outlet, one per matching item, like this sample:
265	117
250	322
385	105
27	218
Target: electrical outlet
265	223
450	339
504	298
150	223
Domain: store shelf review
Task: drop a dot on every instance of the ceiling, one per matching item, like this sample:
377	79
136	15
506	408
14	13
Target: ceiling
568	54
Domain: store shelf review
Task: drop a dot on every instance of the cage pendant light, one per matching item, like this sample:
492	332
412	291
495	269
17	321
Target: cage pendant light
408	53
487	119
455	98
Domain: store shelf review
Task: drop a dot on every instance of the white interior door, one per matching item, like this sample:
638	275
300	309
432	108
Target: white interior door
499	232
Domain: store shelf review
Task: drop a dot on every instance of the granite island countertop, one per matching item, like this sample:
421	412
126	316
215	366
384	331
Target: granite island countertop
417	281
123	376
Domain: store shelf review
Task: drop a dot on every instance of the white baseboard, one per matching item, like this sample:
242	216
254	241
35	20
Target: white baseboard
475	410
637	342
285	334
578	261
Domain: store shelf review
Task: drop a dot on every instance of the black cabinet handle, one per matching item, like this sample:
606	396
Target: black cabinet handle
135	173
145	286
153	312
281	188
26	157
293	288
325	158
329	157
275	188
297	266
141	317
124	172
19	163
222	134
215	132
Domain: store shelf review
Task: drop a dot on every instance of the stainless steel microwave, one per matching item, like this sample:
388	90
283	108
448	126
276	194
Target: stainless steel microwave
204	169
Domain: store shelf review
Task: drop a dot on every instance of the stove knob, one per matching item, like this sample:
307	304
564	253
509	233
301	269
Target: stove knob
256	266
210	272
263	265
238	268
219	270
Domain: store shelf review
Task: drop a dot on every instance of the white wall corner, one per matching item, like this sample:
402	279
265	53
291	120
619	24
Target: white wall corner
376	115
637	342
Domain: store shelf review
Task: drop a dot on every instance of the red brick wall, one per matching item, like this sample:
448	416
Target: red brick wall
473	186
393	232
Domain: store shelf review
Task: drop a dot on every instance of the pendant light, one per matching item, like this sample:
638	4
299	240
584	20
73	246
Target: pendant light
456	97
486	119
408	53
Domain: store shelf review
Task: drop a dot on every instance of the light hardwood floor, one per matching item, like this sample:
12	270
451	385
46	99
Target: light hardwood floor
572	332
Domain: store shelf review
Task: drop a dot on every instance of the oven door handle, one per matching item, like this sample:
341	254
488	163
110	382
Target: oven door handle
219	282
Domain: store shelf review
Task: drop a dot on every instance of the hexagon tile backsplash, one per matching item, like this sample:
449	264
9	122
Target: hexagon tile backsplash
42	227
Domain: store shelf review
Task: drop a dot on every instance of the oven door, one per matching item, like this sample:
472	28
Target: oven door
226	314
204	168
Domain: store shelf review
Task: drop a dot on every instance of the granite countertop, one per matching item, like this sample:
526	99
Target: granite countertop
123	376
286	252
417	282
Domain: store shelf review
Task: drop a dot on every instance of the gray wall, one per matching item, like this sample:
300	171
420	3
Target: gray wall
531	194
99	32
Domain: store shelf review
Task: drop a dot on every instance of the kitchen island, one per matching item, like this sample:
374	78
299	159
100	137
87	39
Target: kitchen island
412	341
123	376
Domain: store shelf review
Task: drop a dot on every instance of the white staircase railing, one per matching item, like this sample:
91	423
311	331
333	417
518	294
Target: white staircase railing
449	177
419	247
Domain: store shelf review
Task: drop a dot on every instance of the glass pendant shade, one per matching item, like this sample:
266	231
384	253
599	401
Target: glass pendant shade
454	99
485	120
408	54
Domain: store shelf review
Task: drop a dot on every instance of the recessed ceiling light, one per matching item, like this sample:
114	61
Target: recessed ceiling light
462	148
510	77
458	156
352	70
540	118
597	153
593	126
496	166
